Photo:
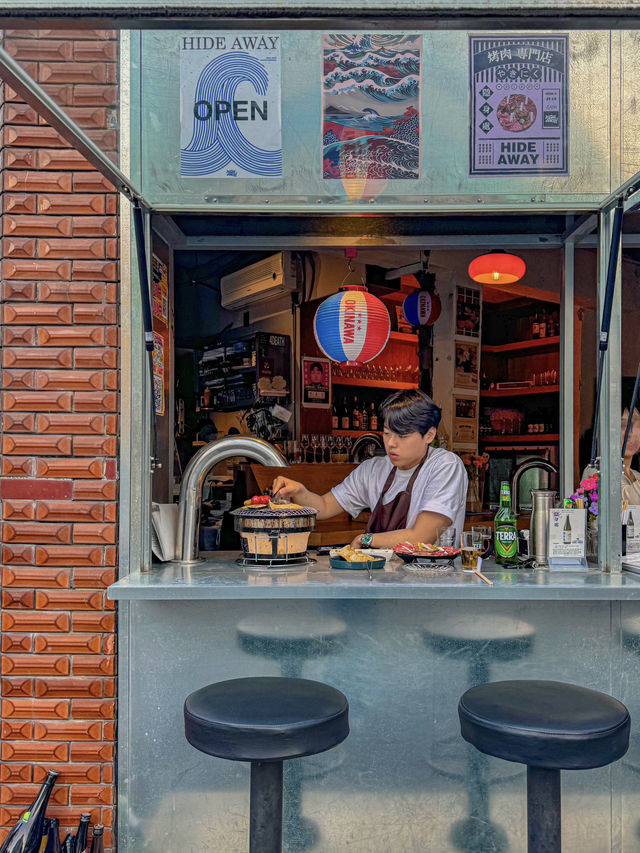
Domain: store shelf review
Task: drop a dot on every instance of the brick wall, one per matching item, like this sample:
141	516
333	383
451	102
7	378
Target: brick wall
59	433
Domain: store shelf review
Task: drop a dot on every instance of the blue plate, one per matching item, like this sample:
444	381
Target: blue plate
374	563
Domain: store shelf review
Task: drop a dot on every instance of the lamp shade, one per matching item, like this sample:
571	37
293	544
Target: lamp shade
422	308
352	326
497	268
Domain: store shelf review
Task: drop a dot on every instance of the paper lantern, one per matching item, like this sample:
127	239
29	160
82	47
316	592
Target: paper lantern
497	268
422	308
352	326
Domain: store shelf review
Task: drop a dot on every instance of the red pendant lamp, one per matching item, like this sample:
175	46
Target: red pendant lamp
497	268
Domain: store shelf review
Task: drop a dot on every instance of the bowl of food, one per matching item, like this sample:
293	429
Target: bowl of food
273	531
411	551
351	558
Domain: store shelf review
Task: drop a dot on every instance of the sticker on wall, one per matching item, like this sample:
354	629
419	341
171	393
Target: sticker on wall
519	105
160	290
230	116
371	106
158	373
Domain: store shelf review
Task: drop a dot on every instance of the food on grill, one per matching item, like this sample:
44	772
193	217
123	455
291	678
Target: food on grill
425	550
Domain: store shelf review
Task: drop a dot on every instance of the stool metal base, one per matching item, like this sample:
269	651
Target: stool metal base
543	810
265	807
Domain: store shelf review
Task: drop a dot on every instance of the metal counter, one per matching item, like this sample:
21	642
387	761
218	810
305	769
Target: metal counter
221	578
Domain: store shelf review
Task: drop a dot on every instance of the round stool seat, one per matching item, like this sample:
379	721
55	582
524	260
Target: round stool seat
308	636
545	724
500	637
266	719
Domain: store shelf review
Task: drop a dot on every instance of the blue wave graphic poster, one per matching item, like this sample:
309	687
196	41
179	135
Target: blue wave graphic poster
230	105
371	106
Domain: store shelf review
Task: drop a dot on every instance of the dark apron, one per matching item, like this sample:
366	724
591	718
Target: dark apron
393	515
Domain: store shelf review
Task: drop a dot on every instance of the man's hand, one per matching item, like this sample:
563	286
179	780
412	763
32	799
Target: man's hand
357	542
286	488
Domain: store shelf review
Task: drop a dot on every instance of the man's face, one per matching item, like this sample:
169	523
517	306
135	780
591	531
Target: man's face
406	451
633	444
316	375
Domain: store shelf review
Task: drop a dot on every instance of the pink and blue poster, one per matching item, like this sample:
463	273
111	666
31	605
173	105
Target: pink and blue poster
371	106
519	105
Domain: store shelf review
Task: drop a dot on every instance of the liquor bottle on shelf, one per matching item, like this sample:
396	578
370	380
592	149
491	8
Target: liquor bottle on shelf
53	842
535	327
82	834
345	419
26	835
364	418
543	326
68	845
355	415
335	417
505	529
97	845
373	418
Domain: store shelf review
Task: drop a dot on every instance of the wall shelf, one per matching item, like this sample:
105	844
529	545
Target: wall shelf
354	433
373	383
522	392
406	337
522	346
529	438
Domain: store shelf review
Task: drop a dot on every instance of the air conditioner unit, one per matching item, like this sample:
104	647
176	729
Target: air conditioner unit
263	281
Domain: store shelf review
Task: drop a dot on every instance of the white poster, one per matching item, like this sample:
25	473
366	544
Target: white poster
230	118
567	533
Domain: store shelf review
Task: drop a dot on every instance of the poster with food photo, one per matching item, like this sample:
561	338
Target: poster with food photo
371	106
468	312
519	105
465	422
316	383
466	365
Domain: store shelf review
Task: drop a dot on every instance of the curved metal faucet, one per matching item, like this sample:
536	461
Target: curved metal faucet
193	479
362	441
527	465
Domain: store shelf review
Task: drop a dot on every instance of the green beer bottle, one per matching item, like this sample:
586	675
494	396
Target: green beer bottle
505	529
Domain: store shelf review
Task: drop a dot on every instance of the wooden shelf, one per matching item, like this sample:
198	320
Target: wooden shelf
529	438
407	337
354	433
518	346
373	383
522	392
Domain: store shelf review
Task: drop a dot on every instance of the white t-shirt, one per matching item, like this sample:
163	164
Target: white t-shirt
441	486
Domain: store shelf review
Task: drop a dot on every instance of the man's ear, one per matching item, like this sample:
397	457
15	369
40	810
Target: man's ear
429	436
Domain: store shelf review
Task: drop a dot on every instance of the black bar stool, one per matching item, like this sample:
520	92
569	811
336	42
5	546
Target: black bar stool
549	726
266	721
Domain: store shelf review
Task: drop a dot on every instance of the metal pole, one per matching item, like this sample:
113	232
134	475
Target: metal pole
610	478
544	826
265	807
567	474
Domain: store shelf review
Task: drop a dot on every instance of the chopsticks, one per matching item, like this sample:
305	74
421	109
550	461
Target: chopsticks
483	577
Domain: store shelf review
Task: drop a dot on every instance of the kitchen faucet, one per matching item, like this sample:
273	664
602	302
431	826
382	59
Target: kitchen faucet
528	465
193	480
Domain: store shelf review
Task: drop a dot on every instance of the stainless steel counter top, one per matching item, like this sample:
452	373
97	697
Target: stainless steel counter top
222	578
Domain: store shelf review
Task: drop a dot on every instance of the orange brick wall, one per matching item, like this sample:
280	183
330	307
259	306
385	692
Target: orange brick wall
59	434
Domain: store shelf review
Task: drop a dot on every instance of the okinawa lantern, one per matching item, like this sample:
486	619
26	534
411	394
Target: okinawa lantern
352	326
422	308
497	268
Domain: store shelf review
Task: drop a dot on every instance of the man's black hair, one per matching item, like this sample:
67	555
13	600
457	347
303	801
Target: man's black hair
315	364
410	411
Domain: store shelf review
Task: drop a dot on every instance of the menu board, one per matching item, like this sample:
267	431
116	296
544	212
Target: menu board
519	105
567	534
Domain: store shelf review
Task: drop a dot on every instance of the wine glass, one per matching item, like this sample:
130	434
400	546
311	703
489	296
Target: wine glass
304	444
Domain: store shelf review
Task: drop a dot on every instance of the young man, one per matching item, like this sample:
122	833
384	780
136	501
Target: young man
412	492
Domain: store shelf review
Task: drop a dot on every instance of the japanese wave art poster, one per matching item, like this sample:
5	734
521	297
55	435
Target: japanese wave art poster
230	123
371	106
519	105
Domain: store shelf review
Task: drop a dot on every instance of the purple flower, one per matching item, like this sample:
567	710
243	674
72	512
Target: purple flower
593	509
594	496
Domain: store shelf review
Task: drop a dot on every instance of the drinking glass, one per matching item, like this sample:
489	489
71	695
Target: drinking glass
304	444
446	537
486	532
471	542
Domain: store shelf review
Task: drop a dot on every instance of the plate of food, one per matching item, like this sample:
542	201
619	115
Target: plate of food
351	558
410	551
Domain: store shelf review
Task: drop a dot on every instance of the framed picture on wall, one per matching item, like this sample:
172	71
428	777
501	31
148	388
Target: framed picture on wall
465	422
316	383
466	365
468	312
